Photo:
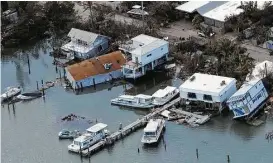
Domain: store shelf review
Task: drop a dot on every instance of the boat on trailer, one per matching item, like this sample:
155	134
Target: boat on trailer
138	101
10	92
153	131
162	96
92	135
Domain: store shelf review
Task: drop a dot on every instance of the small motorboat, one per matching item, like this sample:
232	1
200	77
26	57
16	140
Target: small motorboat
66	134
30	96
11	92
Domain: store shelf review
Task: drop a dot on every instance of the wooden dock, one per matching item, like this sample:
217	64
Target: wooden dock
194	118
125	131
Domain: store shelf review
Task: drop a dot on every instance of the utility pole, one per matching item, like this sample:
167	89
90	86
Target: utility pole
142	12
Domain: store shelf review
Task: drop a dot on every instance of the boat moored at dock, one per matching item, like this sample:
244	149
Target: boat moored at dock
30	96
153	131
138	101
66	134
10	92
93	135
162	96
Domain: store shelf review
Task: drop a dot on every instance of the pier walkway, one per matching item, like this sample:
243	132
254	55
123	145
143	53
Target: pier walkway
127	129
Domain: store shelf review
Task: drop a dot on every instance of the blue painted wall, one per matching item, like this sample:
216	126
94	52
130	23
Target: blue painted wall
101	40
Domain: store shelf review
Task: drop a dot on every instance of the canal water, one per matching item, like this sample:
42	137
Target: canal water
29	130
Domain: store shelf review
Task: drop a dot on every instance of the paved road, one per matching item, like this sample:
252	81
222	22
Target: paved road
259	54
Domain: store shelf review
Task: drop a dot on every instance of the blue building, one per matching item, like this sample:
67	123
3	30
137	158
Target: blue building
248	99
84	45
95	70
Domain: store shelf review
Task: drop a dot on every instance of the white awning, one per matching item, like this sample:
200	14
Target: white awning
97	127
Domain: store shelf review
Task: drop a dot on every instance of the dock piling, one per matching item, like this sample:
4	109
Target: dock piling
94	83
64	73
197	155
56	68
81	87
120	126
28	64
60	75
228	159
37	85
165	146
137	150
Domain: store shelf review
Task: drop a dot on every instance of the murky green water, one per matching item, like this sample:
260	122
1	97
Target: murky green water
29	131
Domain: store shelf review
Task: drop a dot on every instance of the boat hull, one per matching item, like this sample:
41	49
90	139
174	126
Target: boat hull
115	102
10	94
154	140
29	96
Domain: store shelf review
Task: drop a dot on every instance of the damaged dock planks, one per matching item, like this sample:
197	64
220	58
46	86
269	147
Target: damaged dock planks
126	130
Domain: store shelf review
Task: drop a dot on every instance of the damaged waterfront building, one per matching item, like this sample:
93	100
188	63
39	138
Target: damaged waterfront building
207	91
248	99
144	54
84	45
95	70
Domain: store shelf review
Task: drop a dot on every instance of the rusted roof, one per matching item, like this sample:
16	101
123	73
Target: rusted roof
95	66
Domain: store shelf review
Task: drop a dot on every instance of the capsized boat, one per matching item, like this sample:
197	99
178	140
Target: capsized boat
93	135
162	96
10	92
138	101
153	131
30	96
66	134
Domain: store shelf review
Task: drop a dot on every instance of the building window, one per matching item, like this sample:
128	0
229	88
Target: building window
149	55
191	95
207	97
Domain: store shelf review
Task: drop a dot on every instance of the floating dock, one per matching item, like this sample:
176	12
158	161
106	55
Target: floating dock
111	139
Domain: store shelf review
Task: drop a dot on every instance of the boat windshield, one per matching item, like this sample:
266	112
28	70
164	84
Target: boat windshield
149	133
76	143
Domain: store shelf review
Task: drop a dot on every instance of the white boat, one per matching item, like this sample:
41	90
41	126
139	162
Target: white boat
162	96
138	101
11	92
153	131
93	135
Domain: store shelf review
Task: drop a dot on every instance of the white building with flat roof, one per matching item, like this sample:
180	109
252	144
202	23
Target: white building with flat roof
144	53
248	99
191	6
211	89
215	12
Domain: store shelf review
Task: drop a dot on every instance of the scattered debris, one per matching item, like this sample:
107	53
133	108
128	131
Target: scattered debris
72	117
269	135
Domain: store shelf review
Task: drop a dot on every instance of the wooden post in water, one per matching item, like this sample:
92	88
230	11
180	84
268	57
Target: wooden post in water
228	160
56	68
94	83
81	151
37	85
64	72
81	87
28	64
60	75
197	155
